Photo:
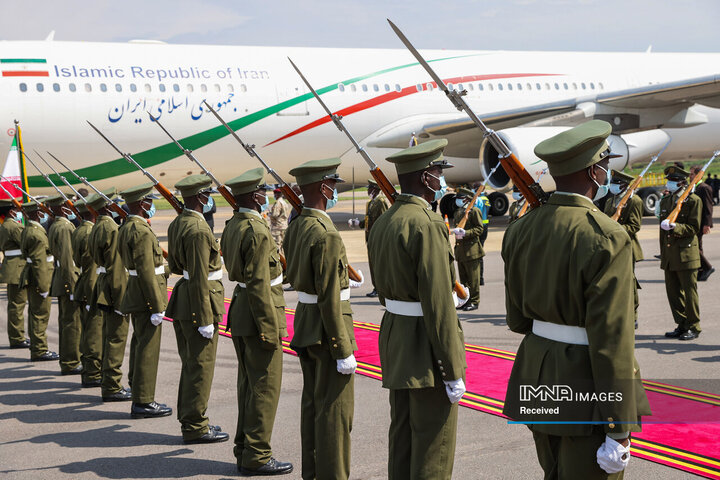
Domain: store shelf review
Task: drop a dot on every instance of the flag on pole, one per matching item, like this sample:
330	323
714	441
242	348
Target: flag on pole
14	170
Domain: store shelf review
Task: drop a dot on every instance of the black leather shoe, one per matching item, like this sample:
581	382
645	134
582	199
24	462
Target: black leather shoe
24	344
689	335
119	396
91	383
212	436
636	325
215	427
73	371
273	467
703	276
482	282
469	307
372	294
46	357
675	333
149	410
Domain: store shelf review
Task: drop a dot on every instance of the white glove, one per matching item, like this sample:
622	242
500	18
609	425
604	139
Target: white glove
353	222
157	318
347	366
72	297
354	284
459	302
458	232
207	331
665	225
455	389
612	456
87	307
44	294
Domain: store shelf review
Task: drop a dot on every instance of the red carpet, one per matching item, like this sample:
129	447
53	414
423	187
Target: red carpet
682	433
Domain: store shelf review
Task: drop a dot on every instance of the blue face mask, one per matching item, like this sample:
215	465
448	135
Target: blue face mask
332	201
440	192
672	186
265	205
71	215
209	205
615	188
151	211
459	202
43	218
517	196
602	189
18	217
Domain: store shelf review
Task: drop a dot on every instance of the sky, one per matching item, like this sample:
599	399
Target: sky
583	25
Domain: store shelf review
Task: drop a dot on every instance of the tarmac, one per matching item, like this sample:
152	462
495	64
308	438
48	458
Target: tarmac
52	429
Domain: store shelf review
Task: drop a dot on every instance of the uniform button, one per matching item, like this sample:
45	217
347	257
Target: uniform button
443	374
594	209
441	369
439	362
610	419
334	345
635	370
612	425
333	339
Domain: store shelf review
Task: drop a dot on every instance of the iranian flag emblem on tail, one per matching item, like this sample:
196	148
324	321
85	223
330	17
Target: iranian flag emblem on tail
14	172
24	67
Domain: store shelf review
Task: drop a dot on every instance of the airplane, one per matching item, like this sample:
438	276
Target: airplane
54	87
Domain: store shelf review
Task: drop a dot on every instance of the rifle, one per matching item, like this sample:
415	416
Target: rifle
385	185
162	189
531	190
14	200
287	191
630	192
689	189
524	208
221	188
41	205
463	221
69	185
68	203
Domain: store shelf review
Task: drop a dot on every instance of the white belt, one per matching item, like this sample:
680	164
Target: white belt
309	298
275	281
408	309
100	270
560	333
49	259
13	253
158	271
214	275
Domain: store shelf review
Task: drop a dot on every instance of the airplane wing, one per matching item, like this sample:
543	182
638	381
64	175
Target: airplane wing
464	141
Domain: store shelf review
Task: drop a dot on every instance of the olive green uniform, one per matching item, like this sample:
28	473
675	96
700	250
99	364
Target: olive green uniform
257	320
10	270
317	265
588	283
469	251
680	259
36	277
374	208
108	294
91	338
196	301
64	278
411	261
146	293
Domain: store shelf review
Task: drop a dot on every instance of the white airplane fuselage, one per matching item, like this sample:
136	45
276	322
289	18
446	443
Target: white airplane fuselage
53	88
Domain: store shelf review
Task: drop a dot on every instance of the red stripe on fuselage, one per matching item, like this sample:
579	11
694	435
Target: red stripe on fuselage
388	97
21	73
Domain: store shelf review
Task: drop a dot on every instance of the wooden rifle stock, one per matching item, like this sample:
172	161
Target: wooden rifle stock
463	221
691	186
523	210
72	207
228	196
172	199
626	198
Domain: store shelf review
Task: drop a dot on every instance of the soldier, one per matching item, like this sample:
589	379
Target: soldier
317	267
630	219
64	278
680	255
421	340
483	203
91	331
376	206
279	214
704	192
468	248
578	322
196	305
517	205
257	321
145	297
107	296
36	278
10	270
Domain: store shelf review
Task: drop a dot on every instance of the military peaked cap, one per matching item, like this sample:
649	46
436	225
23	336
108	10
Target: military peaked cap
54	201
465	192
417	158
194	184
30	206
317	170
676	173
620	177
96	202
250	181
135	194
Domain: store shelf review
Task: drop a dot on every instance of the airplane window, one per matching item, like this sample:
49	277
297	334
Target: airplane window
133	87
375	87
460	87
217	87
40	87
547	86
601	86
364	88
72	87
528	86
387	87
574	86
176	87
419	87
148	88
490	87
103	87
56	87
583	85
161	87
450	87
397	88
23	87
88	87
480	87
230	88
118	87
341	87
510	86
519	86
243	87
470	87
592	86
353	88
537	86
190	88
500	87
429	87
203	88
557	87
565	85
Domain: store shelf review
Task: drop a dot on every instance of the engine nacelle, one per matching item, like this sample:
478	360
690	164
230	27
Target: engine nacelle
522	142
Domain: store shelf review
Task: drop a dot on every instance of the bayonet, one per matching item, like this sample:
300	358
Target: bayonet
41	205
68	203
